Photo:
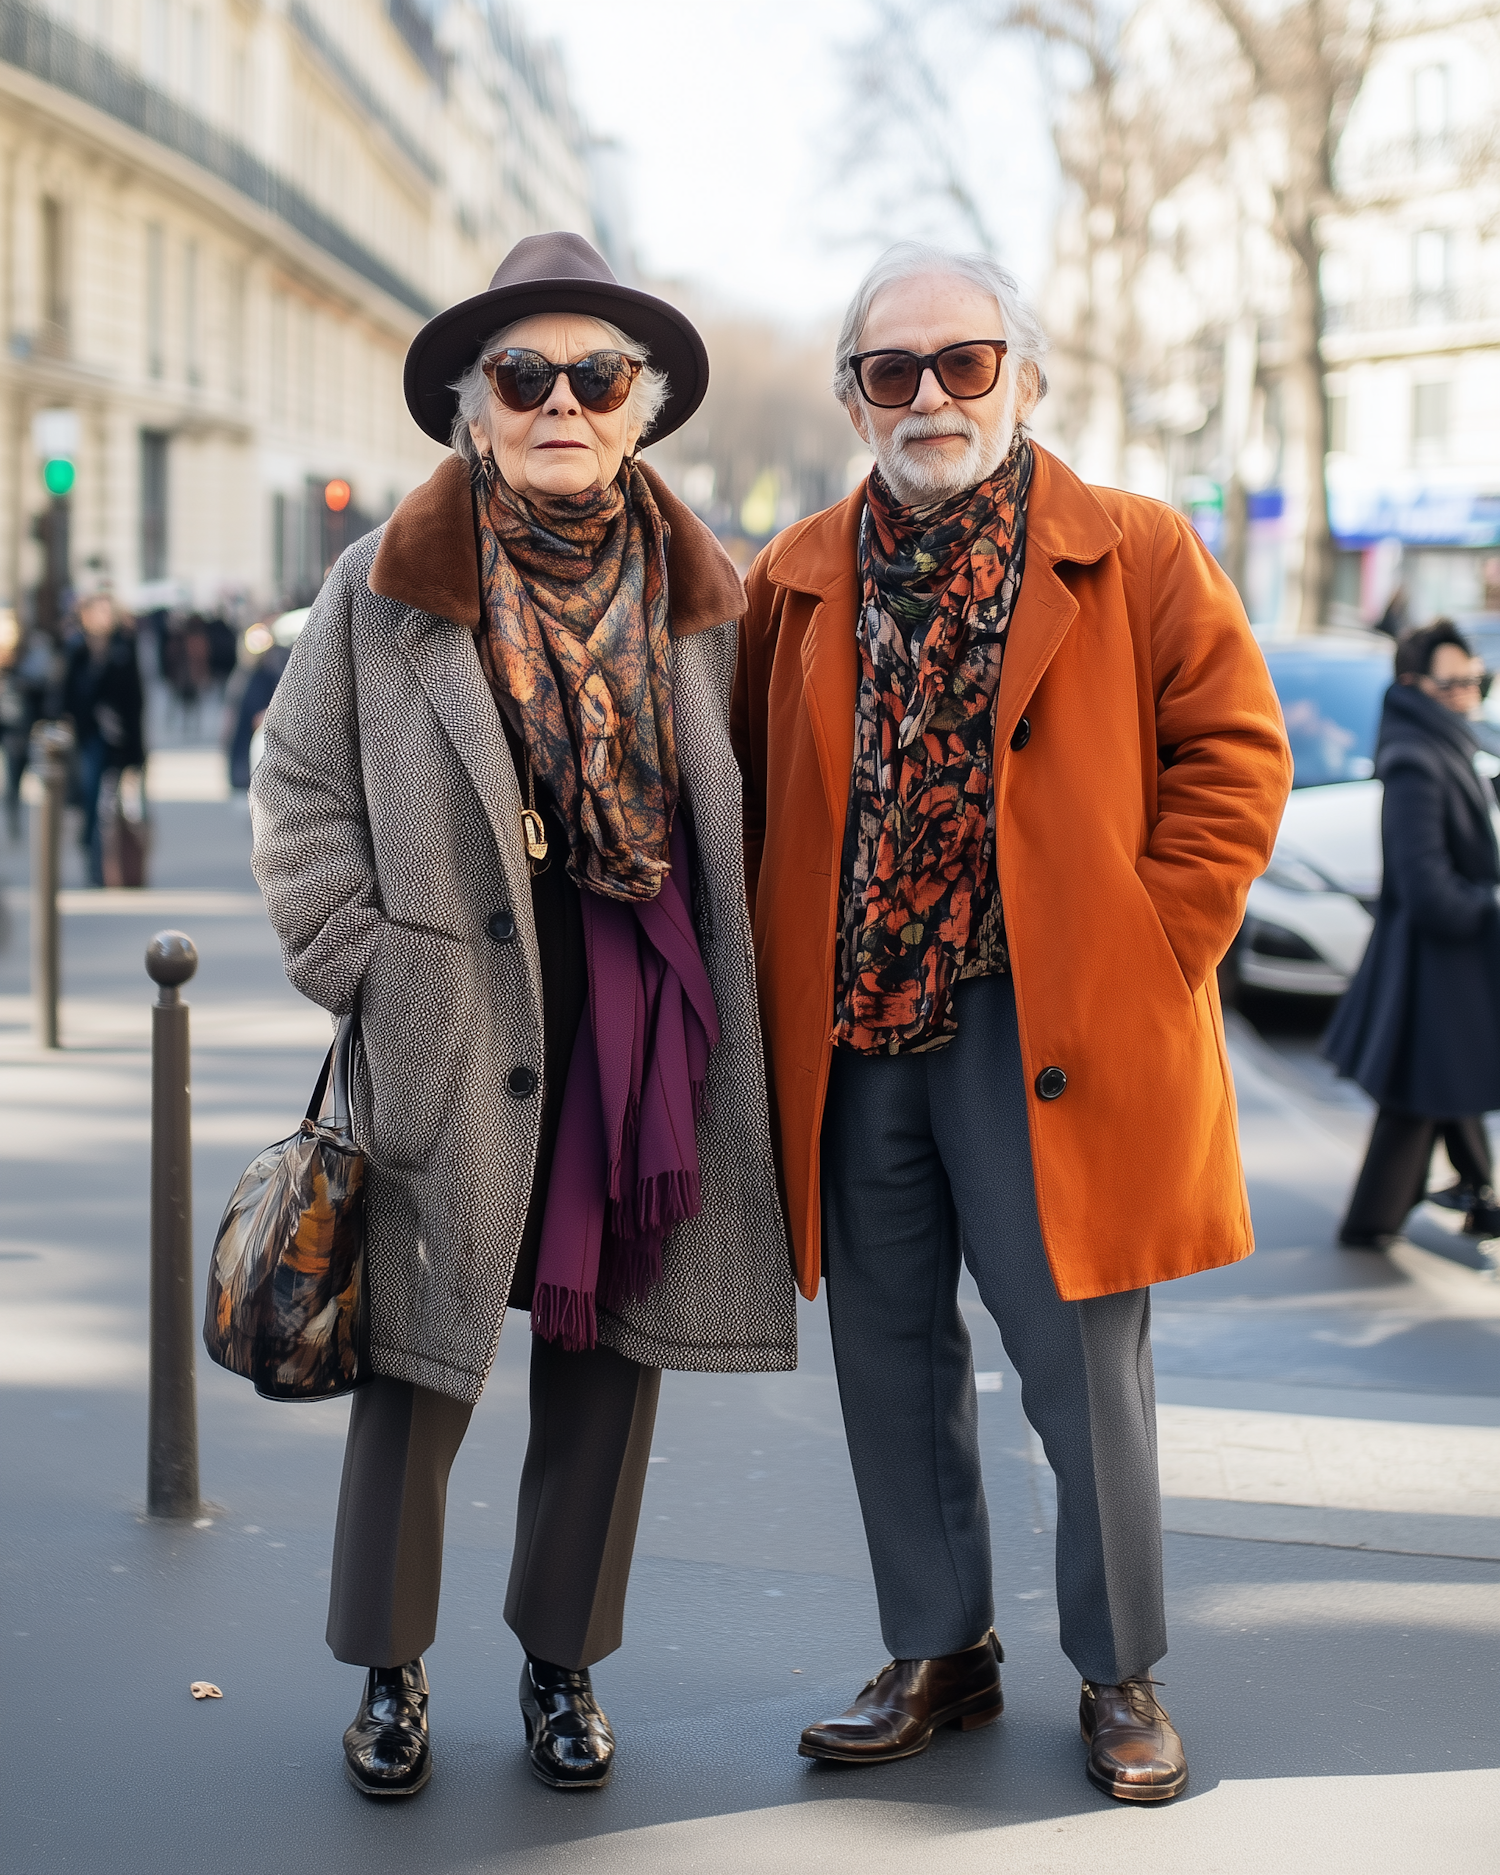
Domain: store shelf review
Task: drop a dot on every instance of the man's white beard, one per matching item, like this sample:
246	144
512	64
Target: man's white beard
920	477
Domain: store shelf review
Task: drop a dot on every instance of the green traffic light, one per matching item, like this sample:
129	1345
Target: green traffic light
59	475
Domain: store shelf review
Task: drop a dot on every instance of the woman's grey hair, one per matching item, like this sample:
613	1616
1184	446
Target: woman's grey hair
647	394
1025	339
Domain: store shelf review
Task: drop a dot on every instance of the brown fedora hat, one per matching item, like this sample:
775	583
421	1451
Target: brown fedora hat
552	273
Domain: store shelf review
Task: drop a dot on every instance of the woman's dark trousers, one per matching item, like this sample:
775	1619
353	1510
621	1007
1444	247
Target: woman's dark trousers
1393	1178
592	1417
926	1165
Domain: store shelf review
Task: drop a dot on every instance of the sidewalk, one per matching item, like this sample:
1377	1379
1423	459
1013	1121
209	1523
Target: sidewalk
1331	1457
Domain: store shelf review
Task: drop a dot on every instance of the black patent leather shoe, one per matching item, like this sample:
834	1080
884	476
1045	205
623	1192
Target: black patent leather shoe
572	1747
1483	1217
387	1752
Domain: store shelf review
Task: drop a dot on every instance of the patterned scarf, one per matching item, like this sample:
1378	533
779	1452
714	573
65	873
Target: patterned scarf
576	646
919	841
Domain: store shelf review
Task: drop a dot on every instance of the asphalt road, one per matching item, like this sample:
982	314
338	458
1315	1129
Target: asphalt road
1331	1463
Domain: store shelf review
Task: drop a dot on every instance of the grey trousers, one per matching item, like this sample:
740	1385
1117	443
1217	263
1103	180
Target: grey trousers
592	1417
926	1160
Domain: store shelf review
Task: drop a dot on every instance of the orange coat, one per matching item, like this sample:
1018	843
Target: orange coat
1130	822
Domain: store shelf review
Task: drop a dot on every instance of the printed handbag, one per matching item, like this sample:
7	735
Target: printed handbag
286	1282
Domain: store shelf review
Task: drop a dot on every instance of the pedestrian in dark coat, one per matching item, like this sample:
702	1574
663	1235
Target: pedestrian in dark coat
1419	1028
102	694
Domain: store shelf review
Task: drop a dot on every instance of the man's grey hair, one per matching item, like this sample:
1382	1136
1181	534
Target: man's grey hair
1025	339
647	394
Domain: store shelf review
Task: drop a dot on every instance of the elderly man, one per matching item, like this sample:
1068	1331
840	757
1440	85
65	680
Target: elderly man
1011	761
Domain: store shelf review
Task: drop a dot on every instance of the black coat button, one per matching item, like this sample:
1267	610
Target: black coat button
1050	1083
1022	735
522	1083
501	926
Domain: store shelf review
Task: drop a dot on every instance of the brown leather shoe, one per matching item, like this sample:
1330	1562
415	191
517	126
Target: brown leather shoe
1134	1751
896	1715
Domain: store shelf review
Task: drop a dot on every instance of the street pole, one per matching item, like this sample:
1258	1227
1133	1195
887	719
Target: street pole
51	754
172	1456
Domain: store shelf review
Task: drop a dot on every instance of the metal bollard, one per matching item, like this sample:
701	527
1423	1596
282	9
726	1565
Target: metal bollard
51	756
172	1455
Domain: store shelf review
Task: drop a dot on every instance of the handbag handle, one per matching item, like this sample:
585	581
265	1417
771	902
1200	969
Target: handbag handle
338	1062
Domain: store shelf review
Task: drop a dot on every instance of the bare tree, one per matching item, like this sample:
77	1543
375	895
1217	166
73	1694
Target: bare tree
899	128
1128	131
1124	134
1308	59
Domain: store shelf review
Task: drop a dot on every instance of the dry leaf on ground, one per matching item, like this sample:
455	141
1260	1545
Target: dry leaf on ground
205	1689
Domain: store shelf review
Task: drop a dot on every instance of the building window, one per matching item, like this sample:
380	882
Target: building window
191	343
156	39
278	542
239	91
198	58
236	289
1429	420
56	311
1338	422
304	414
154	504
279	316
1429	107
156	296
1431	257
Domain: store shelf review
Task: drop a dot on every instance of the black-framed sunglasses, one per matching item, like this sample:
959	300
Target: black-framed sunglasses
524	379
889	379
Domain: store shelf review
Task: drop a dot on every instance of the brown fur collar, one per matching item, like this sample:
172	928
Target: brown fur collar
428	556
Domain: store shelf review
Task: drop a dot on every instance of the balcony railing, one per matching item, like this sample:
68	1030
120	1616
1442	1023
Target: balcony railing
354	83
1402	312
49	51
1404	159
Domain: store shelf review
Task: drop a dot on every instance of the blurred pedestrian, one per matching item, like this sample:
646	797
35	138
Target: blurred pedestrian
191	675
498	812
102	694
978	679
247	697
28	694
222	649
1419	1028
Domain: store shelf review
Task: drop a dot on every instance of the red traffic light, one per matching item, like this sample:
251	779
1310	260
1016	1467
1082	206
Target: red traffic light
338	495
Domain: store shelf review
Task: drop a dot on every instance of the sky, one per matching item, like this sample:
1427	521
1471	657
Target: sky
733	115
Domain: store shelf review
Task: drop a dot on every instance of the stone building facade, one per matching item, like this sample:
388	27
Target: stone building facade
221	221
1412	338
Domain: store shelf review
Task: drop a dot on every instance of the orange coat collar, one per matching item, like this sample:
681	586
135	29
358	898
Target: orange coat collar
428	557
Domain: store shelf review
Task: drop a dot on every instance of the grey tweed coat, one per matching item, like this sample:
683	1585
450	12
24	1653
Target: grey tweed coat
387	833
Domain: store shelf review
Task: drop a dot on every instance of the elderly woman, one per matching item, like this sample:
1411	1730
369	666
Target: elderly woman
498	816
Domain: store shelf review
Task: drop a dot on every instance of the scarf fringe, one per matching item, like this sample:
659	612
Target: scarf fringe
633	1270
566	1316
657	1206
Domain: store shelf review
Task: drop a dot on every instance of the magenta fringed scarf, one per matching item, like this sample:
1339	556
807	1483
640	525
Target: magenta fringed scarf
625	1171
